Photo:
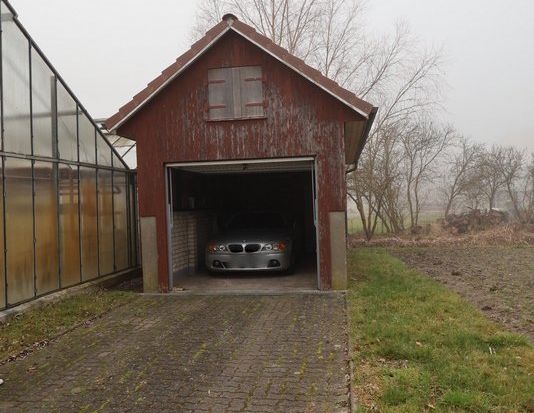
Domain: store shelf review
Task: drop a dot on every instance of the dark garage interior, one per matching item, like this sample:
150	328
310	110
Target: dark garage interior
205	198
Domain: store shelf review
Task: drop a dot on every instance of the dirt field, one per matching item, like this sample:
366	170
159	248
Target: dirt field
499	280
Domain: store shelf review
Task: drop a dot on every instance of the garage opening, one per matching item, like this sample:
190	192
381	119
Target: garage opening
242	225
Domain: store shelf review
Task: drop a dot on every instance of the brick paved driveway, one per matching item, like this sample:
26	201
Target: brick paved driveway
192	354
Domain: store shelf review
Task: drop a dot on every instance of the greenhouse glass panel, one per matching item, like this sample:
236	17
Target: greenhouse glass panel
69	235
66	125
16	88
87	135
120	205
117	162
2	262
103	151
88	221
43	88
19	229
105	221
67	213
46	231
126	148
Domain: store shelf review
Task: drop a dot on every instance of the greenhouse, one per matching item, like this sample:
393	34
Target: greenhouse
67	212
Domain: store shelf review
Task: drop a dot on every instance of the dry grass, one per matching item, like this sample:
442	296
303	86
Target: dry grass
34	328
507	235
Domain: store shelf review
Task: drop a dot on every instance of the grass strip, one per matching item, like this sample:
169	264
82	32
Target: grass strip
418	346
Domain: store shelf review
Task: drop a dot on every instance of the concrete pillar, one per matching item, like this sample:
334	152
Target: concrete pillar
149	253
338	250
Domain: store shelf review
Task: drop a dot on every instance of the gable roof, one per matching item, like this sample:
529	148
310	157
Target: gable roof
229	23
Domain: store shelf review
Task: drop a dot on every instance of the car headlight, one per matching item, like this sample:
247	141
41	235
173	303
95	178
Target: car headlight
216	248
275	246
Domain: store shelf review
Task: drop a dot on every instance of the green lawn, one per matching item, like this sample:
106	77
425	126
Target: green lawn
52	319
419	347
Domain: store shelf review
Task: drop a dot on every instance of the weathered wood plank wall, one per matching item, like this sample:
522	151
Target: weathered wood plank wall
300	120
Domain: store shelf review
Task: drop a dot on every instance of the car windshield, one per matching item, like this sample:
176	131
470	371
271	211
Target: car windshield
253	220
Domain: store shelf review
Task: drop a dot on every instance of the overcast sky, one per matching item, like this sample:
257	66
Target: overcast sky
108	50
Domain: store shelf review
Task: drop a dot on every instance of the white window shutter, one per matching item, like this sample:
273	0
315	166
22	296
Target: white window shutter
235	93
220	94
251	81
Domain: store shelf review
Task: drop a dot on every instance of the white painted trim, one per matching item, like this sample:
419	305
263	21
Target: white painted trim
169	222
315	199
240	162
195	57
365	115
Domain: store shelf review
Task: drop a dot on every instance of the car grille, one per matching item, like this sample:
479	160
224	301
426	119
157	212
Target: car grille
235	248
252	247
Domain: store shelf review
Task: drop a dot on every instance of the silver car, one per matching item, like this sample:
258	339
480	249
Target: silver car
252	241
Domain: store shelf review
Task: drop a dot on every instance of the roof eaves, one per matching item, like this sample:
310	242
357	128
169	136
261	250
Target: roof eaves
212	36
311	74
365	135
167	76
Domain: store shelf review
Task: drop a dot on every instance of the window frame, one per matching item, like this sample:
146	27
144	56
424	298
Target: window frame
235	95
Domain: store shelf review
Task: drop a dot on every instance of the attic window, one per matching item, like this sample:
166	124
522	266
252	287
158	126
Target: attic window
235	93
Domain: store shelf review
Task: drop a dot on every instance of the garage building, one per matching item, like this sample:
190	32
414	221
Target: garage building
238	123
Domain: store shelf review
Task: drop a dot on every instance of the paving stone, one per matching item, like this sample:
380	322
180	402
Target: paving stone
192	353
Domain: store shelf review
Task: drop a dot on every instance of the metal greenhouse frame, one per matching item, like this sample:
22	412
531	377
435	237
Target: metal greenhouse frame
68	200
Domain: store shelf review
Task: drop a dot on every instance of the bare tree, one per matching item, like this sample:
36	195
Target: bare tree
209	13
290	24
405	83
393	72
474	194
491	177
338	40
423	144
375	186
460	176
330	35
512	169
529	193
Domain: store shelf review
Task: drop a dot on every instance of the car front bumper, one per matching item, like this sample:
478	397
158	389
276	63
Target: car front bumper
258	261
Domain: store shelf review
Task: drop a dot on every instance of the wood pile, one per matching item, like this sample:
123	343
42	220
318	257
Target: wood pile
475	220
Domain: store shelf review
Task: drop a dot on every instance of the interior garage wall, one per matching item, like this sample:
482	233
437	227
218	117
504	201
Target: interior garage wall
190	233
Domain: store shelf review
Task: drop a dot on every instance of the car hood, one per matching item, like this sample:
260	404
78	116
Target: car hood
252	235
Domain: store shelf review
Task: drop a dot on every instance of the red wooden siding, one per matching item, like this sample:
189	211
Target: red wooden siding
300	120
